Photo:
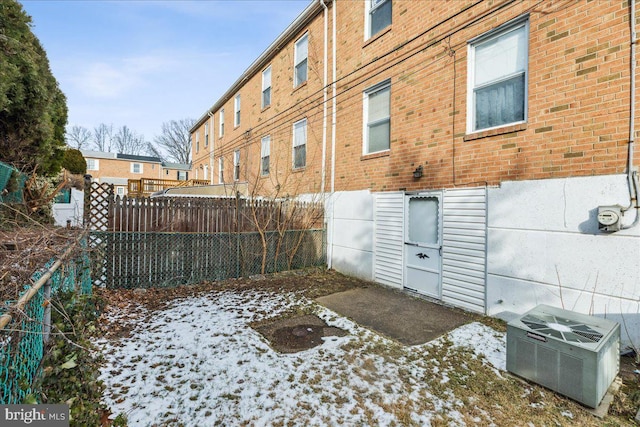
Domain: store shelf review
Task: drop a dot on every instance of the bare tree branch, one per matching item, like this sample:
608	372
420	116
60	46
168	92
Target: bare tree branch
175	139
78	137
103	137
127	141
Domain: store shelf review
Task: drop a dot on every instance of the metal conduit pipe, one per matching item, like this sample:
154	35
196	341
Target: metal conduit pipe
632	176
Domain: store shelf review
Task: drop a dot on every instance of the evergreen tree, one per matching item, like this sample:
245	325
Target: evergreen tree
33	109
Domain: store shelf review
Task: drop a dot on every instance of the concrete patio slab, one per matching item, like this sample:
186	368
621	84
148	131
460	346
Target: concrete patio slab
399	315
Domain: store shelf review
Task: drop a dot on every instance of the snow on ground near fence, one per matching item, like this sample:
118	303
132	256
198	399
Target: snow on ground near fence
199	362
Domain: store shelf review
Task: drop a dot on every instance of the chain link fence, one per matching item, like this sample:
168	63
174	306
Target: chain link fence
11	184
22	340
143	260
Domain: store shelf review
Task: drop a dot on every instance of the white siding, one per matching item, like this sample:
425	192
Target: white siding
389	238
464	241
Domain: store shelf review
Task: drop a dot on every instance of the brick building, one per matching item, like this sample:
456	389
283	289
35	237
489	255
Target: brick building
117	169
465	148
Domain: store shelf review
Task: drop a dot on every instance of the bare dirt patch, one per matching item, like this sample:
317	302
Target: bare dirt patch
293	334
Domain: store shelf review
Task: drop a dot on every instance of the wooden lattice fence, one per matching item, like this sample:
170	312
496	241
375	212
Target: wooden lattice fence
147	242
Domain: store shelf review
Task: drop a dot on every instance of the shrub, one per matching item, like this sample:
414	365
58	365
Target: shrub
74	162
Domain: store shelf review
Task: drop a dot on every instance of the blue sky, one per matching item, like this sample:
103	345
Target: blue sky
141	63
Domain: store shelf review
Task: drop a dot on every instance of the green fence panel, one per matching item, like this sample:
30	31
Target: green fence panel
21	342
14	196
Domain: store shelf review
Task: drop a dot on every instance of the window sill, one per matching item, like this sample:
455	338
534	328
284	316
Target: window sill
300	169
300	86
377	36
265	108
494	132
377	155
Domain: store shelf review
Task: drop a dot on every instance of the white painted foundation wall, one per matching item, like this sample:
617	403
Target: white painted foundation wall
70	211
349	219
544	247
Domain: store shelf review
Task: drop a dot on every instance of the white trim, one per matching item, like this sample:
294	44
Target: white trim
265	151
96	164
236	110
221	170
221	123
367	16
267	69
513	25
365	115
133	164
236	165
299	144
297	60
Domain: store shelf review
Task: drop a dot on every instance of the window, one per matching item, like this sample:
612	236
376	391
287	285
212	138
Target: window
221	115
377	126
236	111
378	16
266	87
497	80
300	61
136	167
220	170
236	165
206	134
197	142
120	191
182	175
265	151
92	164
205	174
300	144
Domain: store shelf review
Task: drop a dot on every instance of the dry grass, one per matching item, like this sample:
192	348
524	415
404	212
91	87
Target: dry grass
472	388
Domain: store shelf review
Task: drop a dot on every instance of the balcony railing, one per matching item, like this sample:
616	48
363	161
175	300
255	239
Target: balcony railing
146	186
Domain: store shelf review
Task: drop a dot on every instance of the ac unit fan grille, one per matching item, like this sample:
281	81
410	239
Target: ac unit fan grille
561	328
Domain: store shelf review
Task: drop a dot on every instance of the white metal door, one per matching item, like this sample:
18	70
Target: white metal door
423	243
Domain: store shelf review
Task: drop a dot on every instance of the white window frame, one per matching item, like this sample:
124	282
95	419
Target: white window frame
266	86
119	190
236	110
133	167
297	61
365	115
521	23
220	170
197	141
221	123
95	166
299	144
206	134
236	165
265	153
368	10
181	175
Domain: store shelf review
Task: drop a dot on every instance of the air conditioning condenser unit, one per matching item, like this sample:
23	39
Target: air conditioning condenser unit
571	353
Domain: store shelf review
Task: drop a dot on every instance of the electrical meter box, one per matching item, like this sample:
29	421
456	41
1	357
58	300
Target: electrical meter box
609	218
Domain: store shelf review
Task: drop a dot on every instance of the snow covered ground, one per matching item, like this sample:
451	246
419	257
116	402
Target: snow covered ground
198	363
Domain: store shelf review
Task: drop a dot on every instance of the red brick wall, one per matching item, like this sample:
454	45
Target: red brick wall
578	104
578	100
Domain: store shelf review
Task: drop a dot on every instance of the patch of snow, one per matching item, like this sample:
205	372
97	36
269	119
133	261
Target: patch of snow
199	362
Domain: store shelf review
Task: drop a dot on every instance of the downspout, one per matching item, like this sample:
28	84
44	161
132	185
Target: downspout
632	175
211	142
333	129
324	97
